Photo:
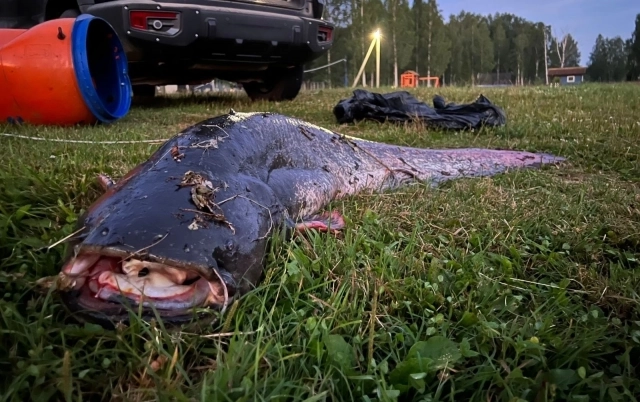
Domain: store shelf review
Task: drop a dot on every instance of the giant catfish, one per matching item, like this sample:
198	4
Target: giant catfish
189	227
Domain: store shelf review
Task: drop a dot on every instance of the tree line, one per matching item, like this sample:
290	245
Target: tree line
467	48
615	59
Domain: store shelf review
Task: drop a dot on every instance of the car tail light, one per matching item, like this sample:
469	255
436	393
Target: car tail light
325	34
167	22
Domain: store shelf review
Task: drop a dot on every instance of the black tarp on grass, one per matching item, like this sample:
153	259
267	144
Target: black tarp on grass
401	107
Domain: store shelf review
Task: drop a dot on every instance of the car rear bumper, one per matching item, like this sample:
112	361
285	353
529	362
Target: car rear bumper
217	31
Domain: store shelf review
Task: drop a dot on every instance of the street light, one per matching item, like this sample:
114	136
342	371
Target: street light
376	36
375	42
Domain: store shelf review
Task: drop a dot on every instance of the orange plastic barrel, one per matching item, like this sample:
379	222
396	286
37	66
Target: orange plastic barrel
63	72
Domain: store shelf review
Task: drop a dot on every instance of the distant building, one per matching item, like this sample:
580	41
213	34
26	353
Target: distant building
567	75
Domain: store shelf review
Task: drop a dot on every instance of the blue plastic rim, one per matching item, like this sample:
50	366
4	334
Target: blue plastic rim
101	68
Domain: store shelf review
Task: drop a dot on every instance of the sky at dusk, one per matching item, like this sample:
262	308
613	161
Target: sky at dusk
583	19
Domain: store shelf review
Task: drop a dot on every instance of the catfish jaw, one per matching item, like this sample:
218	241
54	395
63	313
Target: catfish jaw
105	285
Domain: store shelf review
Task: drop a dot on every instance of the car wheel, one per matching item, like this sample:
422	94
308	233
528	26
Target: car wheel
70	13
282	84
144	91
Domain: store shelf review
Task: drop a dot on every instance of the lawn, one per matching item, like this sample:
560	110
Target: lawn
519	287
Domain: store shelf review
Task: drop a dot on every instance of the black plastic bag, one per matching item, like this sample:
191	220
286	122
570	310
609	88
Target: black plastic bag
400	106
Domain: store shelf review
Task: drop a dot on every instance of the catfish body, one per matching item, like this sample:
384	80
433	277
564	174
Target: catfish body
206	202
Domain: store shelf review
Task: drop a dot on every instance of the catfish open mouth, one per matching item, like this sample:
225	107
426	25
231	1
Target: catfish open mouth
104	282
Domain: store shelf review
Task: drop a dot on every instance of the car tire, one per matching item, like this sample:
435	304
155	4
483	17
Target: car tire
280	85
144	91
70	13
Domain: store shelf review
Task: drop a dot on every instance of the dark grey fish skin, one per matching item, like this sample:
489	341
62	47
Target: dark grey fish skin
267	168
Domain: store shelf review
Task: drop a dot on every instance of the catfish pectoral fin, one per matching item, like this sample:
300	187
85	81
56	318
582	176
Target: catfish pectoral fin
105	181
332	222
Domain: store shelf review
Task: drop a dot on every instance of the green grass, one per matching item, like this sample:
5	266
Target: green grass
523	286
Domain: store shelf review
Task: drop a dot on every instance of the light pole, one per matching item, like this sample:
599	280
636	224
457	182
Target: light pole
376	37
375	42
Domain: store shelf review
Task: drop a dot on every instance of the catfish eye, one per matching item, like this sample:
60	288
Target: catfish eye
229	245
143	272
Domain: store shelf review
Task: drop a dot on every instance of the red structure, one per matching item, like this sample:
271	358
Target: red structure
436	84
63	72
411	79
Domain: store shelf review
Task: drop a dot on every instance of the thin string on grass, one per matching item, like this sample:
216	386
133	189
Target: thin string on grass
26	137
222	334
63	239
502	283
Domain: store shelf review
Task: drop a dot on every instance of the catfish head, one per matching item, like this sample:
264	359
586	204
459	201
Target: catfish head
169	237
